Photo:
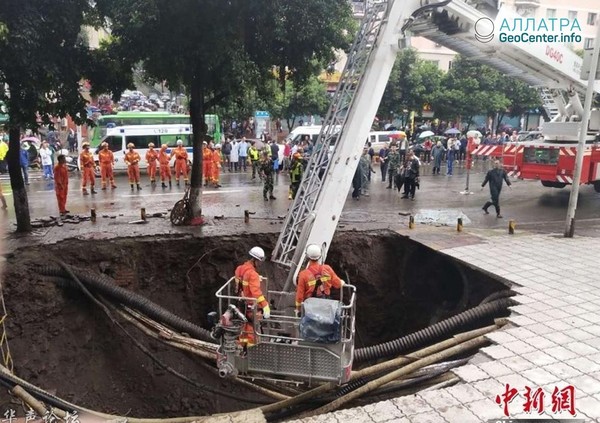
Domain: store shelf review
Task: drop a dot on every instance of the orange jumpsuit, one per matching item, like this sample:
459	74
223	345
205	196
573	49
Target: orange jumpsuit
249	286
61	186
106	159
207	165
181	158
216	166
132	160
165	170
307	282
87	163
151	158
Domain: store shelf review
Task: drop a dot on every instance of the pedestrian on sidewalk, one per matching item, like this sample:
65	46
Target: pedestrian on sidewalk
132	160
86	159
24	161
165	168
495	177
61	183
46	157
438	153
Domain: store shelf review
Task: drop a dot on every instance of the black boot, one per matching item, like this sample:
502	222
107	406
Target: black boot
170	184
131	186
139	188
163	185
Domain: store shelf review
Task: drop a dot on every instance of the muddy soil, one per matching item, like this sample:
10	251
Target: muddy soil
63	343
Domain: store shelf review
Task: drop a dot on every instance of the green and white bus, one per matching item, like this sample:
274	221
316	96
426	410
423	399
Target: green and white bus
148	118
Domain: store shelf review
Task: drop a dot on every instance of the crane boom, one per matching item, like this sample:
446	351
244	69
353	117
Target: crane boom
553	69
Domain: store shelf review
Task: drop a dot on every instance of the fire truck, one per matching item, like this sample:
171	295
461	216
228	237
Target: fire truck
281	352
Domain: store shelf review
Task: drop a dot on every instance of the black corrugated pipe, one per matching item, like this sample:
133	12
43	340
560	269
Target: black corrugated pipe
106	286
436	331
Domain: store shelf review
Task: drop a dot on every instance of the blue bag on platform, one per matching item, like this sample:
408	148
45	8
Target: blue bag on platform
321	320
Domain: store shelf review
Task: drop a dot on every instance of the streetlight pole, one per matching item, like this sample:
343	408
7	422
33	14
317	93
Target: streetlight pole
587	109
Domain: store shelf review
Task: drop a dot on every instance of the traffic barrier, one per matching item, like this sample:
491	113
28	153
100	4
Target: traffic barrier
459	225
511	227
411	222
143	213
93	215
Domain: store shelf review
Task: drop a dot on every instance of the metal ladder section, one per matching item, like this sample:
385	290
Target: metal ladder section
550	104
316	171
7	360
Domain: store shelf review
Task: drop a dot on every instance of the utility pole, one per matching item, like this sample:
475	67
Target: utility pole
587	109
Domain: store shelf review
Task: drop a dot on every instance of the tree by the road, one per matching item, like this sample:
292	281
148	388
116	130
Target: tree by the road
42	60
411	84
215	48
521	96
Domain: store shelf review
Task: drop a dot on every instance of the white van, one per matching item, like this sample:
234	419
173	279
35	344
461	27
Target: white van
378	139
312	132
142	135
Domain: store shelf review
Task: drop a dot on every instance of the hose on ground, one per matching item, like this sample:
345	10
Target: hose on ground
433	332
106	286
146	351
497	295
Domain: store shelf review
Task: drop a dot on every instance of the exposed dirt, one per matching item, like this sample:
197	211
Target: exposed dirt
61	342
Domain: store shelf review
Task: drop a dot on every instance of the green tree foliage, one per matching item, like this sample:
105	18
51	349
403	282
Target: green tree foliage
300	99
42	60
216	49
410	86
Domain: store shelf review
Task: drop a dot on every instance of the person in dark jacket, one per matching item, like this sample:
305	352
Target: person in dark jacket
411	175
24	161
357	183
383	161
495	177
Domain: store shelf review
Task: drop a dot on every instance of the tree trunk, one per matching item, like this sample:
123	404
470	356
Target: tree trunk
199	131
16	180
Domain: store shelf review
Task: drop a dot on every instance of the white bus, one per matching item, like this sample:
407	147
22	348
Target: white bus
142	135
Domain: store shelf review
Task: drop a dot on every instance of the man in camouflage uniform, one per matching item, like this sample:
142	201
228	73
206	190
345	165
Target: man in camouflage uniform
265	171
394	164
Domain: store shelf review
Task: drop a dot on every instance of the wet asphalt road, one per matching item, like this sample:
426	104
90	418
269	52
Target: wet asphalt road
439	201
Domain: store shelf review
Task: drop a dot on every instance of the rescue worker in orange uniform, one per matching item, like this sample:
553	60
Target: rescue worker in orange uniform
248	285
216	165
107	161
317	279
61	183
152	158
86	158
165	169
181	158
207	163
132	160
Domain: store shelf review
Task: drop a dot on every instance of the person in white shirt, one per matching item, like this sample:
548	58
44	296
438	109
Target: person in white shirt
46	157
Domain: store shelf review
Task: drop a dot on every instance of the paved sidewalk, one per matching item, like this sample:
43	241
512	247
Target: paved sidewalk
553	340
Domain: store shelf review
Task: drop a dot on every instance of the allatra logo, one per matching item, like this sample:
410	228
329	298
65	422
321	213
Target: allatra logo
484	30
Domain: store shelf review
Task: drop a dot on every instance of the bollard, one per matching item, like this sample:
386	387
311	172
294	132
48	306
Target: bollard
93	215
411	222
511	227
459	225
143	213
246	216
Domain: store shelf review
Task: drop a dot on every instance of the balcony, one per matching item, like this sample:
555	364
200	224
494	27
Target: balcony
527	3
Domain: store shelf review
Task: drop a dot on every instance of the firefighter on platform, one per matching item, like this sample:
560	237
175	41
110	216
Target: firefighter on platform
165	169
207	163
61	184
248	285
217	159
151	159
86	158
132	160
317	279
181	158
107	161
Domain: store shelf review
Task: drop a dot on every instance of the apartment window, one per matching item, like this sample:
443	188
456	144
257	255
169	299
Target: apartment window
572	14
592	17
588	43
551	13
